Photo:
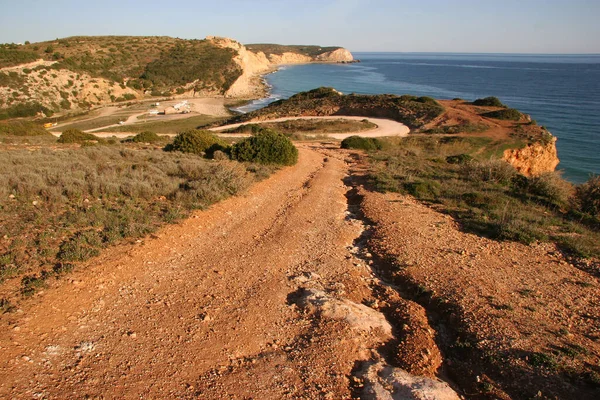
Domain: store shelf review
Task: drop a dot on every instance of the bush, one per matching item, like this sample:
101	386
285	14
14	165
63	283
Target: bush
194	141
489	102
587	197
267	147
77	136
363	143
144	137
507	114
550	186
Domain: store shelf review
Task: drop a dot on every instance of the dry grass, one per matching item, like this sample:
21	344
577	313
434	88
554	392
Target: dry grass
308	126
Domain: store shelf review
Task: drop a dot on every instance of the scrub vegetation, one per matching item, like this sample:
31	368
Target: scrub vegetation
65	200
488	196
412	111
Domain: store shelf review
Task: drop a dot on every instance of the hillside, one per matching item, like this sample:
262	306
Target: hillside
530	148
79	73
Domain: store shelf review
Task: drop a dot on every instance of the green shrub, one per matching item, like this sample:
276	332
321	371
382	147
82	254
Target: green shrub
509	114
77	136
144	137
363	143
489	102
587	197
267	147
194	141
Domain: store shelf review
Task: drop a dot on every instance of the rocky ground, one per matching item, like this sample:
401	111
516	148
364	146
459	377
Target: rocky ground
305	287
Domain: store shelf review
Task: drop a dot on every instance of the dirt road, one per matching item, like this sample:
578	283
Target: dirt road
261	296
385	127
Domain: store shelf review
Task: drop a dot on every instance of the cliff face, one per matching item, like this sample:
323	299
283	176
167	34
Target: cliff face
252	64
534	159
339	55
255	63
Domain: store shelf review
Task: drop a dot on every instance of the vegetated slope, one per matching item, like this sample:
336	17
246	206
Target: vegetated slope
208	67
81	72
410	110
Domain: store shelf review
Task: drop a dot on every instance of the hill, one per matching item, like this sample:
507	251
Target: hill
78	73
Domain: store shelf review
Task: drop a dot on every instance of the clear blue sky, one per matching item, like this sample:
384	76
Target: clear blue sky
513	26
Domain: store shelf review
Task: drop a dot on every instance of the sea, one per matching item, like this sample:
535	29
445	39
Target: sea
561	92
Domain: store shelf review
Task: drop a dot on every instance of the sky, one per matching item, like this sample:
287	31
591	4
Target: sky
464	26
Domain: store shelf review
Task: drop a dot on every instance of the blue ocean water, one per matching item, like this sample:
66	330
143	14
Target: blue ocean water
560	92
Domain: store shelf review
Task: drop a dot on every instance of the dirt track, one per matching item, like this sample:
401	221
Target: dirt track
274	295
208	308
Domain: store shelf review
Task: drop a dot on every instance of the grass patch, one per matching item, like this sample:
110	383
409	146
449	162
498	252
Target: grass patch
167	127
308	126
93	124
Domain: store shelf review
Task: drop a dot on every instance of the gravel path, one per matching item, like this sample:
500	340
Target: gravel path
261	296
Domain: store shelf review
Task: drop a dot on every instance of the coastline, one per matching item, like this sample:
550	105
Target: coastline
261	89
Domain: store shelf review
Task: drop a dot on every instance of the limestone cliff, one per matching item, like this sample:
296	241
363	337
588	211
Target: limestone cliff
339	55
257	62
535	158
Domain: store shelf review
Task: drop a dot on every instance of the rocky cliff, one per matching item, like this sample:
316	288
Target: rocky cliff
339	55
260	59
535	158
